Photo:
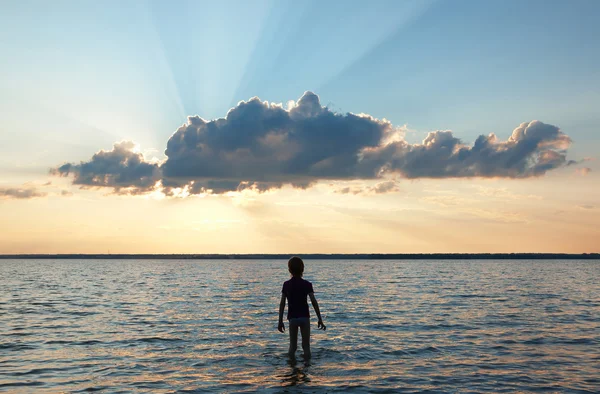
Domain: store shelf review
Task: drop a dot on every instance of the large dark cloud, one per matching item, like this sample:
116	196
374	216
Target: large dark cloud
267	145
259	145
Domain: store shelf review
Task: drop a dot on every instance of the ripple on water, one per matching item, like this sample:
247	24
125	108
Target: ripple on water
210	326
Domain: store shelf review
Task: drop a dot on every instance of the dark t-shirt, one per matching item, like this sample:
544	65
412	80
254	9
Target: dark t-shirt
296	290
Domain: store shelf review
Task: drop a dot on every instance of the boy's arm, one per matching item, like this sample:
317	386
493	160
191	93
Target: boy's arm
280	326
315	305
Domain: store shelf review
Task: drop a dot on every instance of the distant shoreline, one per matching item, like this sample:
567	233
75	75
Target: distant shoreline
318	256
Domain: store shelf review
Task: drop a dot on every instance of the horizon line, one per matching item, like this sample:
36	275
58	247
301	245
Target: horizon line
313	256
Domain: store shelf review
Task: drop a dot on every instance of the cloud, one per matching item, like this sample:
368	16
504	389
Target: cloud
449	201
504	194
468	206
496	216
379	188
121	168
260	146
20	192
583	171
533	149
587	206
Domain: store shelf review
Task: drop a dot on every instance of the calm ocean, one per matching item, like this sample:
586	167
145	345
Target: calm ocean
211	326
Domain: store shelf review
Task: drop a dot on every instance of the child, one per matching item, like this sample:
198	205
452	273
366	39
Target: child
295	290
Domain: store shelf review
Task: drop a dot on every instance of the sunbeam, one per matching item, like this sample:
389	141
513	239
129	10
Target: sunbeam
167	112
406	13
208	46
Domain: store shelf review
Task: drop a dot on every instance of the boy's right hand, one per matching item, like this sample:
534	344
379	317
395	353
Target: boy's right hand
281	327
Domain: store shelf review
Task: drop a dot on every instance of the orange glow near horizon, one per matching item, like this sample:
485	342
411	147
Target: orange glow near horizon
428	216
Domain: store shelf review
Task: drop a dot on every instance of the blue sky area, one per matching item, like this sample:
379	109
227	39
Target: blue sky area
80	75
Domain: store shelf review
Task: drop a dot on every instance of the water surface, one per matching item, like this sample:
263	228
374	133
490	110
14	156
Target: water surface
210	326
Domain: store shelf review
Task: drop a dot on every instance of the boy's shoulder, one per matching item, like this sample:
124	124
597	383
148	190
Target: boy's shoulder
301	280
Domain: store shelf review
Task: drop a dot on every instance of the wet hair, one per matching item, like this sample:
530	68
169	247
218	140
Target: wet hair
296	266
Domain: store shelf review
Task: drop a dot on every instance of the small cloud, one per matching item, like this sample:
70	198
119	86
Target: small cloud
21	193
586	206
385	187
466	206
123	168
348	190
583	171
505	194
65	193
448	201
497	216
379	188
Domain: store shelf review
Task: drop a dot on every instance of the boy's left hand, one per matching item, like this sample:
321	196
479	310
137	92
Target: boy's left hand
281	327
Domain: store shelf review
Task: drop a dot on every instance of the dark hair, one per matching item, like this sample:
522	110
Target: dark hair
296	266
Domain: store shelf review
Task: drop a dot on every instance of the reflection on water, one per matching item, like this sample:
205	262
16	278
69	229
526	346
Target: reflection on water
297	374
211	326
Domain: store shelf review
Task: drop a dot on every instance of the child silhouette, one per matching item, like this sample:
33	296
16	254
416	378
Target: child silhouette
295	291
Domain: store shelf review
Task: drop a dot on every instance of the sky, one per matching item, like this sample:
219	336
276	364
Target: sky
299	127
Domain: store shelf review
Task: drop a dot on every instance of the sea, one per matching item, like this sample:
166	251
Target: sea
393	326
